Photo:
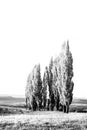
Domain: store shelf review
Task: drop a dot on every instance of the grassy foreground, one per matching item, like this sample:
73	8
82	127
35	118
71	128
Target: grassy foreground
13	116
44	120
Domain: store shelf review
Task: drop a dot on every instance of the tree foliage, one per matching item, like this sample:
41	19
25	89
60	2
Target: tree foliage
33	90
65	72
45	89
56	89
38	86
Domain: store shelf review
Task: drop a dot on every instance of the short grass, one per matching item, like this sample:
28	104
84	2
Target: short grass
14	116
44	120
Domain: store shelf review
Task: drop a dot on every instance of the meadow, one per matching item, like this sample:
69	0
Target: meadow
14	116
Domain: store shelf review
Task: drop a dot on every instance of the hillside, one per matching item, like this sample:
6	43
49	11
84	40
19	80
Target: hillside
8	100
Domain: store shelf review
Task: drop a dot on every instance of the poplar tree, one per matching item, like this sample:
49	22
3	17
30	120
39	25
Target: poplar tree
52	100
66	74
38	86
55	87
29	90
45	89
33	91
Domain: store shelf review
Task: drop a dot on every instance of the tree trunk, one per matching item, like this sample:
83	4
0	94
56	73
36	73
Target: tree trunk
57	104
64	108
26	103
47	104
67	107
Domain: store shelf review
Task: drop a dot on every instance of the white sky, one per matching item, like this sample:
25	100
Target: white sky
33	31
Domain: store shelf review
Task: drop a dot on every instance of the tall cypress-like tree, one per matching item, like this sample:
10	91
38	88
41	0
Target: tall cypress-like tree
66	74
28	93
52	100
50	75
45	89
55	86
33	91
38	86
29	90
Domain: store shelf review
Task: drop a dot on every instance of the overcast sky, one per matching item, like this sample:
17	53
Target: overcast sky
33	31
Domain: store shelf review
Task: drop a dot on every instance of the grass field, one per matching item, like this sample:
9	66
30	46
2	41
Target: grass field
14	116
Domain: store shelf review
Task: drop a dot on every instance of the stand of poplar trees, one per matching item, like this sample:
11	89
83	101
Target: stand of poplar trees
54	91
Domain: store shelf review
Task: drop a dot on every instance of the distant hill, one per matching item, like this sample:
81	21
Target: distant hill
10	100
17	100
79	101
